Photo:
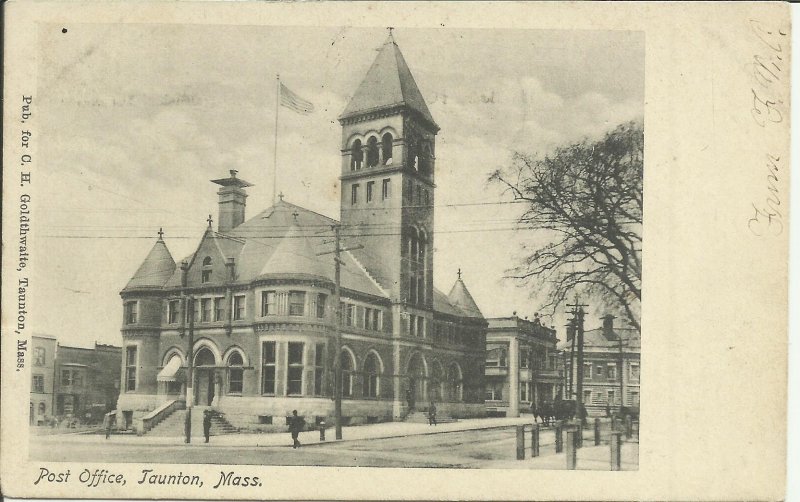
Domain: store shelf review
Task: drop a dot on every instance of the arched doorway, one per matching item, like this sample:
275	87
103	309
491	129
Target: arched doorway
204	364
415	385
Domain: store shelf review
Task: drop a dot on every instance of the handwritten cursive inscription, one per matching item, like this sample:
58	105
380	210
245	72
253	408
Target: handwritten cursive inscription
767	218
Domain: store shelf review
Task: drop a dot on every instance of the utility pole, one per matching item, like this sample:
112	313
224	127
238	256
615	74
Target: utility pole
337	302
579	313
188	315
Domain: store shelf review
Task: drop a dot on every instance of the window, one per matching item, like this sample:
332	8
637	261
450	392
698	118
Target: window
370	190
371	376
633	398
372	151
523	358
130	312
205	275
412	325
319	368
268	303
410	191
66	378
523	391
612	397
205	305
599	370
386	189
297	302
173	309
235	373
494	391
634	375
386	147
196	310
377	317
294	374
238	307
503	362
219	308
130	368
39	356
587	396
356	155
492	356
42	409
268	368
321	298
347	314
38	383
348	367
455	383
587	371
421	327
611	372
354	194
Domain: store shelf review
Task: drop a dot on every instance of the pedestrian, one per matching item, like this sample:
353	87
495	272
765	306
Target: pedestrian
410	399
108	426
296	425
207	424
432	414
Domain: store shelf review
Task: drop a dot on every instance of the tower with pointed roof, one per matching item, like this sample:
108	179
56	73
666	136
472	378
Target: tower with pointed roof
387	177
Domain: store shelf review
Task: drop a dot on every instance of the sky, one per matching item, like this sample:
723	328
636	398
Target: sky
136	119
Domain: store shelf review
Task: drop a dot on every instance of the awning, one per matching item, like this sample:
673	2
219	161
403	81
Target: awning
170	372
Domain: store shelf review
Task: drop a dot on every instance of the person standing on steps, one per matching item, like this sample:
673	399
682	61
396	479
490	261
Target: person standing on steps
296	425
207	424
432	414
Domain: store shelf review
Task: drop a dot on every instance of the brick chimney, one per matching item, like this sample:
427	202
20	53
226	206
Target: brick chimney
231	201
608	326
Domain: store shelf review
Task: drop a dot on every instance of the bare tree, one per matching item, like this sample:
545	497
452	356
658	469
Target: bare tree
585	201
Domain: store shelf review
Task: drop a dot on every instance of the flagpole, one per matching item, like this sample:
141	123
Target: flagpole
275	149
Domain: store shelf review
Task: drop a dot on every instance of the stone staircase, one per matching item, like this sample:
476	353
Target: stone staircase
421	417
173	425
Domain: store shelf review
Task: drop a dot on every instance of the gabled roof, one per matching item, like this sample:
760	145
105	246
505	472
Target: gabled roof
155	270
461	298
295	255
388	83
596	338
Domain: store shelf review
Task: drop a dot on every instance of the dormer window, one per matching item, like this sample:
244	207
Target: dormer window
205	275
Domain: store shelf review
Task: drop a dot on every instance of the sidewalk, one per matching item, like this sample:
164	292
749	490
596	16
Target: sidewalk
351	433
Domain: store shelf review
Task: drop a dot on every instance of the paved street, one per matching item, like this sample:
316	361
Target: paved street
486	443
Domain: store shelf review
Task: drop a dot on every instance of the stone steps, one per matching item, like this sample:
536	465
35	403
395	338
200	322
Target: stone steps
421	417
173	425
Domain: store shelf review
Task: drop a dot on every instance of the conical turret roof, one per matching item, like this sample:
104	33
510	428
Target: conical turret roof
461	298
155	270
388	83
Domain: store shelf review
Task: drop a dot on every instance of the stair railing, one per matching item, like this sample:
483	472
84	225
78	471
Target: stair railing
147	422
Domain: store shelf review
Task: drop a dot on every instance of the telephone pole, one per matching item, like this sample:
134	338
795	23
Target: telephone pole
337	303
188	312
578	315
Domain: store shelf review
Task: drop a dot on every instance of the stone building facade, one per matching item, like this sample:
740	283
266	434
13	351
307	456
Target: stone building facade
43	355
264	317
522	365
86	381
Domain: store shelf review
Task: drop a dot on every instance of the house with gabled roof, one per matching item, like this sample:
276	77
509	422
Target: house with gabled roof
263	318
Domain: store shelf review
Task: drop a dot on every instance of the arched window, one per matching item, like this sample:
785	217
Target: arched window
204	357
372	370
42	409
421	266
413	266
386	147
454	382
206	273
372	151
235	373
356	155
348	368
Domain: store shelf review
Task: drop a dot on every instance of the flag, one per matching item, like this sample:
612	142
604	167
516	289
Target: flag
294	102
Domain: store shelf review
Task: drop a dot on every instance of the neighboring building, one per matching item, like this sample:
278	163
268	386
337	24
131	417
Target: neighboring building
522	365
43	353
611	362
264	317
87	381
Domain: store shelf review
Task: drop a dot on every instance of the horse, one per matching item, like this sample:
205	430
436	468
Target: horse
543	411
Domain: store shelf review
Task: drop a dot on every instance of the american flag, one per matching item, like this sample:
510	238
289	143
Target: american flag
294	102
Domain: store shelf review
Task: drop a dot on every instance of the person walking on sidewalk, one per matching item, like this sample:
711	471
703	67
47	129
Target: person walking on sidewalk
207	424
432	414
296	425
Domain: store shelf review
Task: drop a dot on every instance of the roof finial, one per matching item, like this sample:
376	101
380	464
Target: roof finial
161	233
390	28
459	273
209	220
233	173
280	196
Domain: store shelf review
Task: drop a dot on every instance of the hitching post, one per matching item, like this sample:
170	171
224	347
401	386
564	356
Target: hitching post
520	442
559	432
596	431
535	440
616	450
572	452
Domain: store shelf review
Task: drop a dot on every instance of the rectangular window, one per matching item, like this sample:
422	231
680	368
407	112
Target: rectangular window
235	380
587	371
268	368
410	191
347	314
386	189
173	309
412	325
421	327
238	307
599	370
205	305
130	369
205	276
370	190
66	378
612	399
354	194
38	383
523	391
611	372
219	308
321	299
587	396
130	312
39	356
294	375
634	373
319	368
376	320
297	302
633	399
269	304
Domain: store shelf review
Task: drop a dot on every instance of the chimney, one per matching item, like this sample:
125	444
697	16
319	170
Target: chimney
608	326
231	201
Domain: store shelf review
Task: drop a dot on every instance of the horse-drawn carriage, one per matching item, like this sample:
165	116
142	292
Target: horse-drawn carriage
560	409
